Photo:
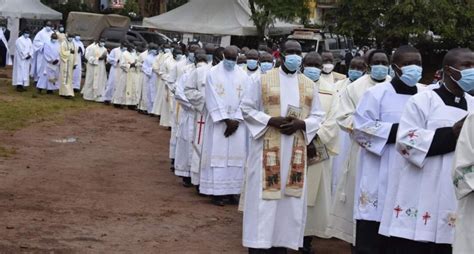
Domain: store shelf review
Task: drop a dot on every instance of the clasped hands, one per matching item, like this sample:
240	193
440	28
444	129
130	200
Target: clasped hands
287	125
232	126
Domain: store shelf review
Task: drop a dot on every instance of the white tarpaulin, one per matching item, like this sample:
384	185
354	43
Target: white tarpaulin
216	17
14	10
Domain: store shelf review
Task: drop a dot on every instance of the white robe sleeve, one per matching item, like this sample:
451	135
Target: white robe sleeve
346	109
463	173
371	133
313	122
214	104
22	49
328	133
193	94
252	110
413	139
113	58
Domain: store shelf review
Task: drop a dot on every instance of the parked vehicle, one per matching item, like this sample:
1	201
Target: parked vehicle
114	35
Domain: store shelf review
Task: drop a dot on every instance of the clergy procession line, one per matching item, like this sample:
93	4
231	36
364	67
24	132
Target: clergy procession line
366	158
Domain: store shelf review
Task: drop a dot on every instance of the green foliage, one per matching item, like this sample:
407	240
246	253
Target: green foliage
394	22
265	12
130	7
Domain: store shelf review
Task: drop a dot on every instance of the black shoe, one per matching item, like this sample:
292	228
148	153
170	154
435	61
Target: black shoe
218	200
19	88
307	246
131	107
257	251
49	92
39	90
107	102
232	200
172	165
187	182
77	90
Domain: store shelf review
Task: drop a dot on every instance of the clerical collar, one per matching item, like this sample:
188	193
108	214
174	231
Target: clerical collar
323	72
252	70
401	88
377	81
449	98
289	73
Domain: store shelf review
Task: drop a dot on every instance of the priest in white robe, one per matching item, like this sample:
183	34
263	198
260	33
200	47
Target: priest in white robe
96	75
114	73
132	77
142	79
252	62
67	54
327	73
275	202
225	152
341	223
77	74
49	78
464	187
41	38
126	62
160	104
149	88
424	217
21	67
168	75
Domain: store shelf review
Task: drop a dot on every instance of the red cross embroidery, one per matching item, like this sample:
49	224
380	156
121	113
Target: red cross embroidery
200	123
411	134
426	217
398	209
405	152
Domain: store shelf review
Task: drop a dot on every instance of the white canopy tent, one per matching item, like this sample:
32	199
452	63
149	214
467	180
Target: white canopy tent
215	17
14	10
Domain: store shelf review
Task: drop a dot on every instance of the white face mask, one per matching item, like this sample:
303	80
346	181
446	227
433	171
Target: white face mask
328	68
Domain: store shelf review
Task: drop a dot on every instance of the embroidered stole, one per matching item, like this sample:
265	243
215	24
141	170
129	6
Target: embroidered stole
272	139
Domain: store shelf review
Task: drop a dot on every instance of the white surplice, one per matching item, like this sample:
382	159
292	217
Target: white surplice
119	95
21	66
142	82
77	74
223	158
274	223
195	93
132	85
49	78
341	224
38	64
463	178
160	95
114	73
425	194
168	75
379	108
96	74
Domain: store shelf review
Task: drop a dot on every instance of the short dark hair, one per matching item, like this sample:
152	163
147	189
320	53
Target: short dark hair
402	50
372	53
451	57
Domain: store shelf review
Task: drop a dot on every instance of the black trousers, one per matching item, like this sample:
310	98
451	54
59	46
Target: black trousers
368	240
3	56
404	246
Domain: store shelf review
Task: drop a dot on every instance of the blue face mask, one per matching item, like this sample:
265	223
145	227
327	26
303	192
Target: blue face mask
391	72
123	49
191	57
153	52
252	64
466	82
26	36
209	58
411	74
292	62
355	74
77	38
229	64
48	28
266	66
54	40
312	73
168	50
378	72
61	29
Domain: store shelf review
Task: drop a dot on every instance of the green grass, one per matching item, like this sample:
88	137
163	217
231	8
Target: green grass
19	110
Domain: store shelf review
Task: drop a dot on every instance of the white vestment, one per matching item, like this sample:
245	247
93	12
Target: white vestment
377	173
38	64
195	93
168	75
49	78
77	74
21	67
66	68
132	92
224	158
319	174
150	79
142	82
341	224
274	223
160	95
96	75
425	194
464	182
114	73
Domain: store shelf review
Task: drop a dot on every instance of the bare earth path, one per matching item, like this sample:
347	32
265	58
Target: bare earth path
109	192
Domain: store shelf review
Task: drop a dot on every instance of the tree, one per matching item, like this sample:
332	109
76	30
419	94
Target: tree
131	9
71	5
265	12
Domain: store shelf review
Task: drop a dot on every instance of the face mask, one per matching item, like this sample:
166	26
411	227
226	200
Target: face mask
54	40
229	64
355	74
328	68
191	57
179	56
378	72
292	62
200	64
391	72
26	36
77	38
209	58
242	65
102	44
123	49
252	64
466	82
70	39
167	50
48	28
411	74
266	66
61	29
312	73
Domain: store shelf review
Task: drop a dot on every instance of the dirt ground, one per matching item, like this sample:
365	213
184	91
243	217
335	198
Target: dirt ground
111	191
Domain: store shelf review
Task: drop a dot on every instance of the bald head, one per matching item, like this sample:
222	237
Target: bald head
313	59
358	63
327	57
455	56
455	61
252	54
231	52
292	47
265	57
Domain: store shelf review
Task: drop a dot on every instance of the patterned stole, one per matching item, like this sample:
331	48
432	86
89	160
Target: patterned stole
272	139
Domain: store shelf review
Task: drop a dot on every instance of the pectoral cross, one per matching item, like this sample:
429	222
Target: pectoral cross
200	123
239	90
398	209
426	217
